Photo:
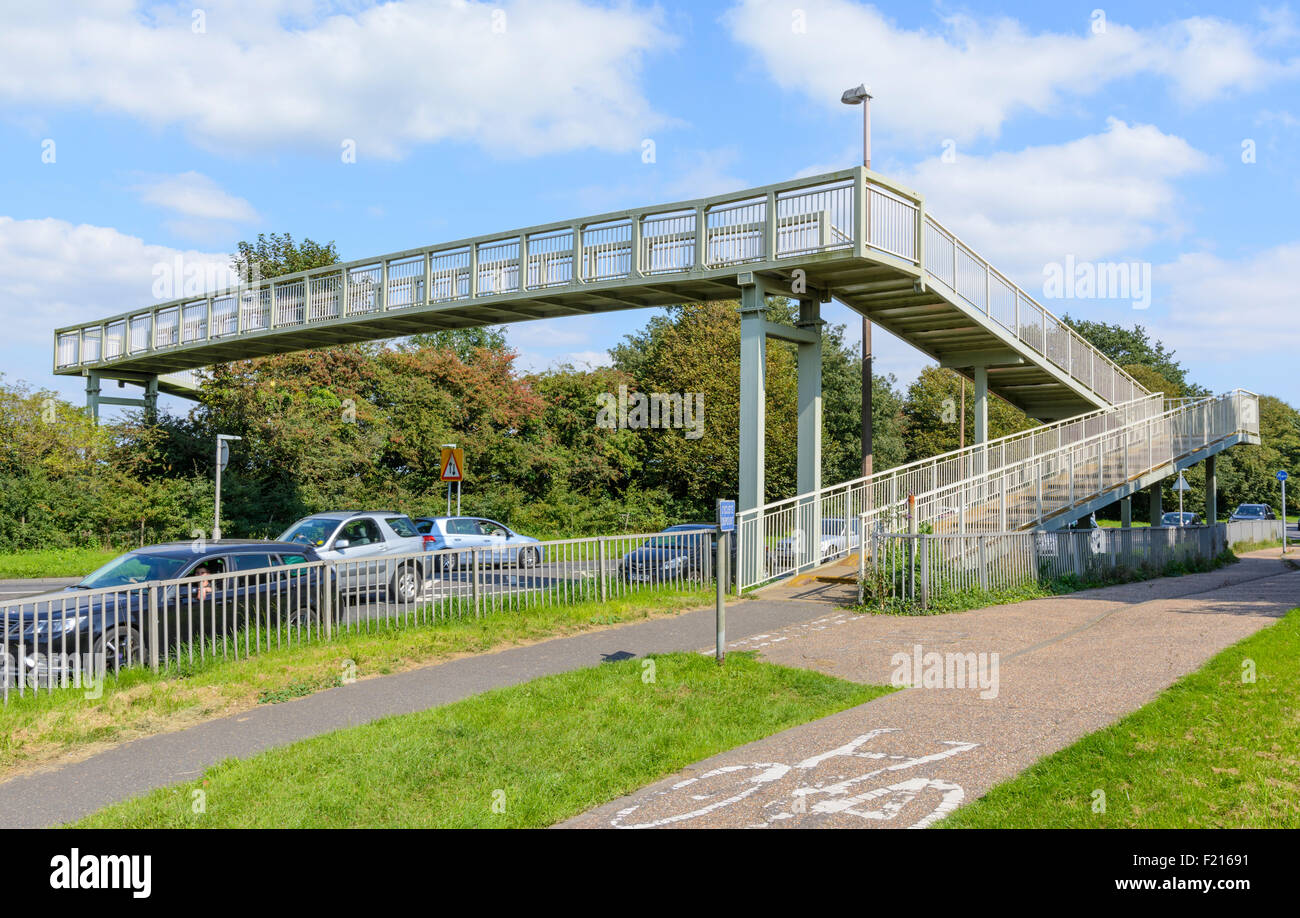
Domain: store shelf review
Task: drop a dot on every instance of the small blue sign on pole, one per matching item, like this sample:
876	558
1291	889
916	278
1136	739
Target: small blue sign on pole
727	515
1282	475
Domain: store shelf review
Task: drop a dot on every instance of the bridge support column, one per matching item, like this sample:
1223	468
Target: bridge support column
810	400
1126	512
1211	492
809	444
92	396
981	404
1156	512
148	401
753	396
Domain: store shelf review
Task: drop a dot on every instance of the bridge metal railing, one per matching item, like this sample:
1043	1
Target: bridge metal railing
1014	483
848	214
1247	531
72	639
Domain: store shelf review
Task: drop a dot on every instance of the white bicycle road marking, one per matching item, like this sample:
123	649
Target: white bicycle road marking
729	784
758	641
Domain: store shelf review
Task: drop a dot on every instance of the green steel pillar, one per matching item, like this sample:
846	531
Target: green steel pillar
151	401
810	401
753	395
809	444
1211	492
1156	511
981	404
1126	512
92	395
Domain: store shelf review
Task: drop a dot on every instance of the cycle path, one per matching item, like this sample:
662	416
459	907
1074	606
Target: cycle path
1066	666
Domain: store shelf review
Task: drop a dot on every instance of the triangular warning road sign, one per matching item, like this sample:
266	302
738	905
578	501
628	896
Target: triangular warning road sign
451	465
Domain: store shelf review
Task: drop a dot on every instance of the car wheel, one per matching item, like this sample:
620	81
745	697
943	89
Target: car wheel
120	646
528	557
449	564
407	584
305	615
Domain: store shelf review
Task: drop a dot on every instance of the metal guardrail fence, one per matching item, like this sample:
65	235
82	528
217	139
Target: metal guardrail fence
1240	531
921	568
71	639
853	211
1016	482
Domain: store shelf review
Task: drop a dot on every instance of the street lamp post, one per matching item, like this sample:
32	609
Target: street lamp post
222	440
858	95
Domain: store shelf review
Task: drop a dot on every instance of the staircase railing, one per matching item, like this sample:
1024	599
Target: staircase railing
1016	482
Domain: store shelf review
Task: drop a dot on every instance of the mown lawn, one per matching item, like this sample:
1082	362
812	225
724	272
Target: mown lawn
1213	751
55	562
39	728
525	756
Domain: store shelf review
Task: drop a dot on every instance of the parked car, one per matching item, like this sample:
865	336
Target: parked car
1086	522
838	536
680	551
113	620
366	538
498	543
1186	518
1252	512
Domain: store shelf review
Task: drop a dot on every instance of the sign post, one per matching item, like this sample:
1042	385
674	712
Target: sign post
223	459
1180	486
1282	477
452	468
726	526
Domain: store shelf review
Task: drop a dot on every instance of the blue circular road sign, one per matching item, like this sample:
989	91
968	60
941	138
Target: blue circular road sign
1281	475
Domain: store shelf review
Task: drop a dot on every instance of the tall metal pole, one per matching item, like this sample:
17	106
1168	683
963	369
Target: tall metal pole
867	409
216	508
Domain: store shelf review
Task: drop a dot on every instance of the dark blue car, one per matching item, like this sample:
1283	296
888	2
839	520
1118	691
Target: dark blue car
210	590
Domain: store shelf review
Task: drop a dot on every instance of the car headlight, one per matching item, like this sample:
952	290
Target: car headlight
56	626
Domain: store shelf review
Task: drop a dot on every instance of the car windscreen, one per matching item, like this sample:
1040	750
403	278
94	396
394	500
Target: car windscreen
133	567
310	531
1250	510
402	526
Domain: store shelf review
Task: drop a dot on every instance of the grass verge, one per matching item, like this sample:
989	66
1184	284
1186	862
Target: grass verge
1212	751
39	728
525	756
54	562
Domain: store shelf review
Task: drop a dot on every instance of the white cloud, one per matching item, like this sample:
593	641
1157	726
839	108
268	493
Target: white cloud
1233	308
1104	195
967	77
193	194
517	78
55	273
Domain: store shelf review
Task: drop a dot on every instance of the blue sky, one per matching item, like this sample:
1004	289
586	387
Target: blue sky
1112	135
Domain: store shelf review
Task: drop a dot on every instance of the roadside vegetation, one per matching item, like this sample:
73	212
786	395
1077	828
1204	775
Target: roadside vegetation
53	562
529	755
39	727
1218	749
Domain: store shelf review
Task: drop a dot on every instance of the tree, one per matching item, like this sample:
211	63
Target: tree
1134	346
463	341
277	254
931	415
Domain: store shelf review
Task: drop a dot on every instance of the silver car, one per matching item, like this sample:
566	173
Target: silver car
368	549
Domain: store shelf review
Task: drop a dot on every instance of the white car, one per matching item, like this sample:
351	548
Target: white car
367	538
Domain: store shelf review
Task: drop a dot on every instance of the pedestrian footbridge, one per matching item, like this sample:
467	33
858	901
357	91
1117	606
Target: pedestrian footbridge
853	235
